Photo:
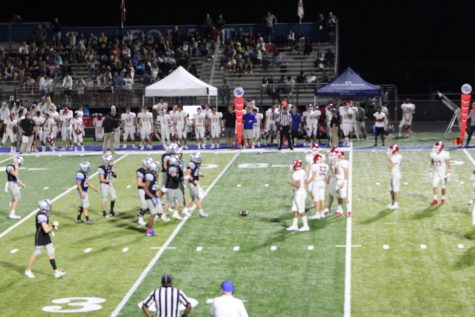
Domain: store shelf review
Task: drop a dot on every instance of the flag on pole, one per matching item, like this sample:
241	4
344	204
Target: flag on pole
300	10
122	13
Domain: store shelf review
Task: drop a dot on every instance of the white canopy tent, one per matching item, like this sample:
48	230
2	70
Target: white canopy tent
181	83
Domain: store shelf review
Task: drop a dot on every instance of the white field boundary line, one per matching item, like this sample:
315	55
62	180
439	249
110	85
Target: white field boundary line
349	224
157	256
469	156
19	223
7	159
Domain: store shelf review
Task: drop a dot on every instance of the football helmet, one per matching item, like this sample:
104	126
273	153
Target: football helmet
85	166
179	151
173	148
45	204
173	161
107	158
340	154
146	162
196	157
154	166
438	147
318	158
393	149
297	164
19	160
315	147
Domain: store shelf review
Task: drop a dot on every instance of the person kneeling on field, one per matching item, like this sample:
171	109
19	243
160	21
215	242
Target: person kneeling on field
43	235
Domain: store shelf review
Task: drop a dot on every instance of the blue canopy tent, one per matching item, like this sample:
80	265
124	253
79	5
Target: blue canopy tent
349	83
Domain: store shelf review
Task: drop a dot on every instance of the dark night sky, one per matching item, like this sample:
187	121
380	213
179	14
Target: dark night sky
418	45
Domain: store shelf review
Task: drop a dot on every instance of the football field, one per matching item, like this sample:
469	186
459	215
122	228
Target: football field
416	261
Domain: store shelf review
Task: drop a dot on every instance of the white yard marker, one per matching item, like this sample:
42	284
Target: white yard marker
236	248
129	186
45	188
423	247
199	249
37	155
238	185
462	182
125	250
87	250
406	183
67	191
13	251
386	246
273	248
157	256
460	246
349	224
310	248
266	185
378	183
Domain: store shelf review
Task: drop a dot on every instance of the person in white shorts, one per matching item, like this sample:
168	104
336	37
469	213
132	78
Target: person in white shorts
82	186
341	172
140	181
180	119
65	117
332	159
128	120
440	171
98	131
163	121
50	130
199	125
11	127
298	182
106	176
153	202
216	127
271	126
257	126
77	127
145	119
394	165
13	185
346	125
318	180
408	110
354	123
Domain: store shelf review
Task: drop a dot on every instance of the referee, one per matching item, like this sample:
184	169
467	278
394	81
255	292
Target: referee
284	121
167	300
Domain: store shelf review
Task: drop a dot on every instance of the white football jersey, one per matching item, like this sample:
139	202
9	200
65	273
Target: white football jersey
77	124
180	118
259	118
299	175
270	115
11	123
128	119
49	125
346	114
314	116
440	161
215	119
321	171
200	119
146	119
396	160
340	168
66	119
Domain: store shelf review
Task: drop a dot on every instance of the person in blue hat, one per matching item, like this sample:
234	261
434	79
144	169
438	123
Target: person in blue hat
227	305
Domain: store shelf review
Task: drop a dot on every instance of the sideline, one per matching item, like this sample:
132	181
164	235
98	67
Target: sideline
349	225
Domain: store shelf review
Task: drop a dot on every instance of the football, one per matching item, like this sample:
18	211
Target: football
244	213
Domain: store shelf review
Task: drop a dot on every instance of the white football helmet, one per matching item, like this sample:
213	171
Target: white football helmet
107	158
19	160
45	204
146	162
438	147
173	148
85	166
196	157
173	161
154	166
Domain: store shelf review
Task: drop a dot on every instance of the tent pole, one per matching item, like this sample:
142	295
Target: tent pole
216	103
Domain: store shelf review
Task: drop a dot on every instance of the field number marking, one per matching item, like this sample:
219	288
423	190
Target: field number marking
75	304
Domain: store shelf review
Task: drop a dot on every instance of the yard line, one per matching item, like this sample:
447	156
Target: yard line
7	159
157	256
469	156
31	214
349	224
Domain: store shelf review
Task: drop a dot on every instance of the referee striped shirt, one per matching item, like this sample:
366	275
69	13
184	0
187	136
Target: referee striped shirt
167	301
284	119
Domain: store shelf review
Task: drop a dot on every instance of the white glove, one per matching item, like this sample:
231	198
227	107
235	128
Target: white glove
447	175
56	224
51	234
155	201
163	189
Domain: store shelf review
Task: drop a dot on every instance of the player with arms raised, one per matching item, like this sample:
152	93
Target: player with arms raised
298	182
394	165
408	110
439	170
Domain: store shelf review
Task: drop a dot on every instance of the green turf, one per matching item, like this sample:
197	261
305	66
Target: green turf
405	280
105	272
290	281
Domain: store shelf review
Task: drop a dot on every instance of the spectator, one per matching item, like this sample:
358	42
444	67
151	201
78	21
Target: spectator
249	119
331	27
227	305
68	87
269	21
56	31
301	77
167	300
291	38
380	118
296	123
230	126
225	92
220	24
321	28
108	134
308	48
39	35
27	129
329	58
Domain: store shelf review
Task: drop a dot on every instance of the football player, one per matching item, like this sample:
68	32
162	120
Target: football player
106	177
271	127
439	170
50	131
145	122
128	122
408	110
43	239
257	126
346	114
332	157
394	165
11	128
13	185
65	118
298	204
180	119
215	128
342	168
78	131
318	181
193	177
163	120
151	197
309	160
173	186
140	180
82	186
199	125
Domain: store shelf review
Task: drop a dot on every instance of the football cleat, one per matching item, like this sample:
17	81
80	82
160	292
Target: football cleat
59	274
29	274
165	218
203	214
338	213
88	222
293	228
141	221
176	216
304	229
317	216
150	233
14	217
442	201
434	202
